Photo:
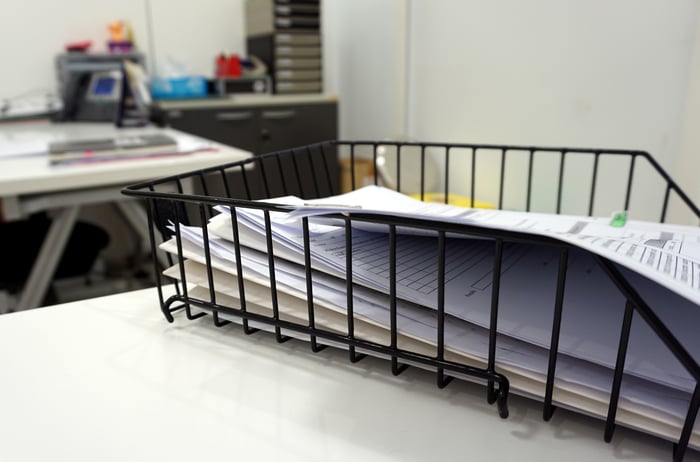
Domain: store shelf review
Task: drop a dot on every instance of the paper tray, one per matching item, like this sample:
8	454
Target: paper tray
532	179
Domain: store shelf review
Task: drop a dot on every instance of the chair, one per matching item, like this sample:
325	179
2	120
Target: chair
21	240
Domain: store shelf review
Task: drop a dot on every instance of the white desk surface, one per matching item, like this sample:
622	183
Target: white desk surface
33	175
109	379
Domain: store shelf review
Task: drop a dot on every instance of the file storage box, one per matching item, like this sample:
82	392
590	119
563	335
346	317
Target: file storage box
543	330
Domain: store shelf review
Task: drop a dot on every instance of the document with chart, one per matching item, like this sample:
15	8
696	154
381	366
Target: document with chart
668	254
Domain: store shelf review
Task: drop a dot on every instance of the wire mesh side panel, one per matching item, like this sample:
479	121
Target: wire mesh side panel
591	182
306	172
264	299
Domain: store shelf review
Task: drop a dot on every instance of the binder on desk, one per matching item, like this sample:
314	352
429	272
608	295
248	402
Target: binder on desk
568	309
121	147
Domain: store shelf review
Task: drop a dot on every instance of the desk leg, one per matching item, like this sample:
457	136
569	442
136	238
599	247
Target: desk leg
49	256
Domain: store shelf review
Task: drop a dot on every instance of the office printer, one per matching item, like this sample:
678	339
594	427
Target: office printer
91	85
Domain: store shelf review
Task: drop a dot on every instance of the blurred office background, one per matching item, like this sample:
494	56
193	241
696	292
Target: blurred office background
596	73
623	74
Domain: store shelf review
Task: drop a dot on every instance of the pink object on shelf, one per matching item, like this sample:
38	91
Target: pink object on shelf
119	47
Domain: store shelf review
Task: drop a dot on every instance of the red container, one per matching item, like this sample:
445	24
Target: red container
228	66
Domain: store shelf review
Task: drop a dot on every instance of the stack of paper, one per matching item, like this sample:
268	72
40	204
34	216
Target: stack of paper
662	263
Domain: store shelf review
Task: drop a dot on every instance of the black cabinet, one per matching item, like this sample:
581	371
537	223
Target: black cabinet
286	36
266	125
283	127
234	127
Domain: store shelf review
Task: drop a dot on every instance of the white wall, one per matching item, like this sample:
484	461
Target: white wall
33	32
543	72
687	166
364	64
561	72
194	32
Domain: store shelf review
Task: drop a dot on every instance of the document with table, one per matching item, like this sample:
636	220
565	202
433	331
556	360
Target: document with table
662	262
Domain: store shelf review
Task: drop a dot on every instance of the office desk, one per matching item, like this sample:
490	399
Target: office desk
28	184
110	379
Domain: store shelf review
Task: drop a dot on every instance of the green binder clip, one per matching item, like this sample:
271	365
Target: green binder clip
619	219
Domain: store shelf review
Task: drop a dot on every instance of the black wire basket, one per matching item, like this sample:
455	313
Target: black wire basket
590	182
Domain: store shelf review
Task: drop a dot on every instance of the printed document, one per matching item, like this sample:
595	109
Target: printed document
667	254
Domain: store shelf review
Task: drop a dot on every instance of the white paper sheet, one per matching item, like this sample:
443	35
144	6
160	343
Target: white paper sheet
667	254
593	307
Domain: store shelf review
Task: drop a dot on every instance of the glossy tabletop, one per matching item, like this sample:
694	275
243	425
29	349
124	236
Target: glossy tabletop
110	379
